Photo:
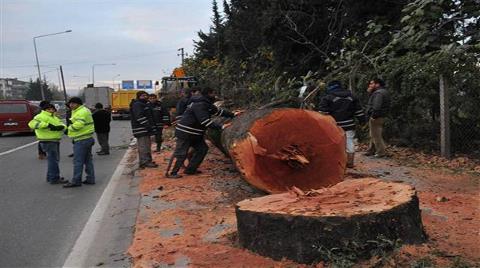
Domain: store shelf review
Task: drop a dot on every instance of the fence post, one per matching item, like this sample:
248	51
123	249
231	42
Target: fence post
445	149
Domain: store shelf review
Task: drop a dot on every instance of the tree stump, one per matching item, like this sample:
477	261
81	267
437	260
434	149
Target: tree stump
352	216
275	149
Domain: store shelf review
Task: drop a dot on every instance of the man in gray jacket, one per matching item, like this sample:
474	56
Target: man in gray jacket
377	109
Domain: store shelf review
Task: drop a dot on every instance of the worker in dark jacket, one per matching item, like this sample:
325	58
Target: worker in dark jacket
161	117
142	128
343	106
191	128
377	109
185	95
101	120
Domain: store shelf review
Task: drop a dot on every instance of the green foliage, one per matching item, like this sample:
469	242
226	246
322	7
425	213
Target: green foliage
351	251
257	51
425	262
51	92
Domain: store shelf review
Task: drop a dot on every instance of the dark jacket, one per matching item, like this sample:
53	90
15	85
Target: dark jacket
197	118
141	118
343	106
181	107
378	103
160	113
101	121
68	114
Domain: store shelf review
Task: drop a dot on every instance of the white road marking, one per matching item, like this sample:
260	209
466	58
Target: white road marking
79	254
18	148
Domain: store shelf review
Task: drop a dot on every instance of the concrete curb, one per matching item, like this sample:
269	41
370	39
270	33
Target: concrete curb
78	256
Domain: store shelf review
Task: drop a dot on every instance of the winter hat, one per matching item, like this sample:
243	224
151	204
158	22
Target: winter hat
76	100
43	103
333	86
48	106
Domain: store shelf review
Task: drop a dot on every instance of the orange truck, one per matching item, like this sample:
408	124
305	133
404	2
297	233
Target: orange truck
120	102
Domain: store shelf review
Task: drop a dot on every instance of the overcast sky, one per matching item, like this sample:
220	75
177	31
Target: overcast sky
140	36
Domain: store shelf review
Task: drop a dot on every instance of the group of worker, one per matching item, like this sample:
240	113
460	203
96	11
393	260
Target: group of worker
195	110
344	107
149	116
193	116
80	127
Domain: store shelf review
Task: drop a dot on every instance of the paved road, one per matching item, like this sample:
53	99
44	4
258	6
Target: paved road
39	222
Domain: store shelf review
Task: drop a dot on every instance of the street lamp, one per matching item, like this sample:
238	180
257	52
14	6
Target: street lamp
36	57
93	70
113	80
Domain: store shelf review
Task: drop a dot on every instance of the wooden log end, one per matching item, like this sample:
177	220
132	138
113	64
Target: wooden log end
302	226
288	147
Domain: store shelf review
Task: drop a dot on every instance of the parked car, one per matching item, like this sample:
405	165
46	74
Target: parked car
15	115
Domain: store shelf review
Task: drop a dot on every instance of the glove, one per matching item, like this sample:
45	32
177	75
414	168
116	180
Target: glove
55	128
238	113
226	125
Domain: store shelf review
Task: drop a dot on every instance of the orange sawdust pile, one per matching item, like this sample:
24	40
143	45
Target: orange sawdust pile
191	221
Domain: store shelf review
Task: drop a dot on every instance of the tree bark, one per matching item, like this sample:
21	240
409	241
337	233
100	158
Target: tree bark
354	216
276	149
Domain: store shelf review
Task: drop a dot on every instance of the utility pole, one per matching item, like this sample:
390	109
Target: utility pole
63	83
182	53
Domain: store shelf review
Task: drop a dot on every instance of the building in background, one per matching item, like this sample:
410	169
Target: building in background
12	88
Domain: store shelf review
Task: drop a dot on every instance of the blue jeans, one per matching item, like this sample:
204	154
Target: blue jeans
52	149
82	156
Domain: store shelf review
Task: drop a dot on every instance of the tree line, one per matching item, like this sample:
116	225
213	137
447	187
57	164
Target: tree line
259	51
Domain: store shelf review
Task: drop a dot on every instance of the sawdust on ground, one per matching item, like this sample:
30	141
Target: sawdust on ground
190	222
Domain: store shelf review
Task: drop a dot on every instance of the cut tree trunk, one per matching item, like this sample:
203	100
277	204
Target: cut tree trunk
352	217
276	149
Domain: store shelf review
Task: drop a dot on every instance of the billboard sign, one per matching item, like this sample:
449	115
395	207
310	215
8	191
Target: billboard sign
128	84
144	84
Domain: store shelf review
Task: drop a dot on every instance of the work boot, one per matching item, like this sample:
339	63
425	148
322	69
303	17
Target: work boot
150	165
174	176
369	153
350	159
192	172
71	185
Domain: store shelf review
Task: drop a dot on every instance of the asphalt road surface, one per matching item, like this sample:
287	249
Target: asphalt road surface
39	222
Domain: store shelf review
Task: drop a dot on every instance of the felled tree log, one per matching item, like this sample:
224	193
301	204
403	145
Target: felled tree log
354	216
275	149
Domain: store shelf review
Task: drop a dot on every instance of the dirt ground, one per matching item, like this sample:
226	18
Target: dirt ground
190	222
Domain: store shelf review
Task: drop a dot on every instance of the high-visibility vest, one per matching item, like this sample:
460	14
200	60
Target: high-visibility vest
82	126
40	124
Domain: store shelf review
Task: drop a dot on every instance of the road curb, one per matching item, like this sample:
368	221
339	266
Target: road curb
78	256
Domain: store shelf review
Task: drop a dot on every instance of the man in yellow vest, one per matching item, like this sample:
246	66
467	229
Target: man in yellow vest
81	131
49	130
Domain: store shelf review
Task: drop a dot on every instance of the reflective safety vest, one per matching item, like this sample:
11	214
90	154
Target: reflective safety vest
40	124
82	126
